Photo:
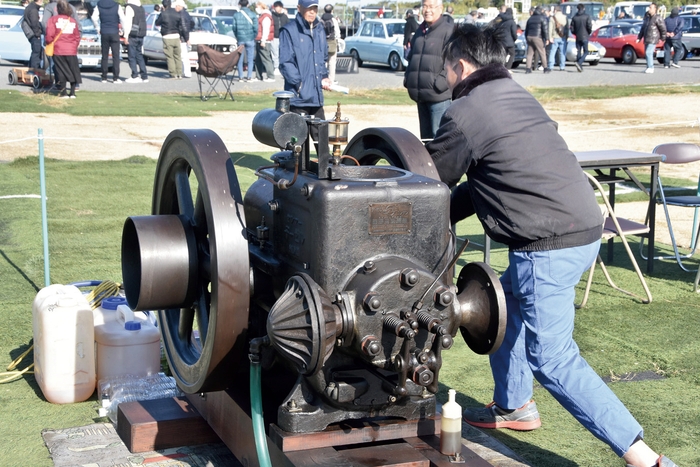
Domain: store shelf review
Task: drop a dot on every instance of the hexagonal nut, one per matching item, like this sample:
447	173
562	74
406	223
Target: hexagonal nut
371	346
444	296
409	277
423	376
372	302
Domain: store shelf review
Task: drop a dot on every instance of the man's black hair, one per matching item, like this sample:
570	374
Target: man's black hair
479	47
580	7
167	3
243	3
278	3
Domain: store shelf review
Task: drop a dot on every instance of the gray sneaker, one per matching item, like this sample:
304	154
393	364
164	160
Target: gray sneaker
662	462
525	418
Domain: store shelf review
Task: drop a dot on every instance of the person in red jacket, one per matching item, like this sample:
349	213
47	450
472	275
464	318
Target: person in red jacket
65	48
263	43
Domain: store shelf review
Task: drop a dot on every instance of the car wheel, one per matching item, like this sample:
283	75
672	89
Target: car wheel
12	78
516	64
684	52
618	60
660	60
629	56
36	82
356	56
594	62
395	62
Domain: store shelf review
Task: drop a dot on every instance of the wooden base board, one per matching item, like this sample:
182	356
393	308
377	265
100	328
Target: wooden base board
194	419
161	424
354	432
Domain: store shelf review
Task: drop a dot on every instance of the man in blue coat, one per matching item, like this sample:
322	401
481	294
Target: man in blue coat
303	57
674	34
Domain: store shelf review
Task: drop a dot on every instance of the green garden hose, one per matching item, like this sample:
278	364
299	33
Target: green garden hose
256	402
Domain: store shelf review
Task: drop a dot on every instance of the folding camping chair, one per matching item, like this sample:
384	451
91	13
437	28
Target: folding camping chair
679	153
616	227
214	68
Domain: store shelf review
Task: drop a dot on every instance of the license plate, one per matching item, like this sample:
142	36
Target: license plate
90	61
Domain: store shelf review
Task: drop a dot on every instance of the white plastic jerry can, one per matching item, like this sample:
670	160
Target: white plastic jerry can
126	342
64	357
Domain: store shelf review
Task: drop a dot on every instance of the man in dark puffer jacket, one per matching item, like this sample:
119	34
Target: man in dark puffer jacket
581	27
425	77
536	36
529	192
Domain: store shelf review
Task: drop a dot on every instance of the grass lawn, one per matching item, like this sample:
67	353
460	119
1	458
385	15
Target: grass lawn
621	338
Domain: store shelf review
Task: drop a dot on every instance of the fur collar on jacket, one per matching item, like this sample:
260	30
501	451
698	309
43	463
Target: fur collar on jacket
488	73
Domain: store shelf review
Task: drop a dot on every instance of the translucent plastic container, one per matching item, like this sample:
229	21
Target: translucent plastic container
119	389
126	342
64	358
451	426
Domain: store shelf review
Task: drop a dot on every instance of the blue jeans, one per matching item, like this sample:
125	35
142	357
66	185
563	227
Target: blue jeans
560	45
581	51
539	289
250	58
429	116
677	46
649	54
135	52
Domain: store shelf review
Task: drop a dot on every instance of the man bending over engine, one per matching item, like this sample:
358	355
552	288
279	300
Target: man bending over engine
529	193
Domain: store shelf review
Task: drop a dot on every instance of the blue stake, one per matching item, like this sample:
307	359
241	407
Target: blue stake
44	222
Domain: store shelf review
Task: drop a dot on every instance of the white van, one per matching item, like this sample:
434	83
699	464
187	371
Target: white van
213	10
630	10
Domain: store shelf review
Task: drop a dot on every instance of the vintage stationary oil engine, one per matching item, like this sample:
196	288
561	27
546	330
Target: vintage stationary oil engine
339	270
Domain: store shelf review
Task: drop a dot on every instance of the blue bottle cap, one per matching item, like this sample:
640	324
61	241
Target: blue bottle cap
132	325
111	303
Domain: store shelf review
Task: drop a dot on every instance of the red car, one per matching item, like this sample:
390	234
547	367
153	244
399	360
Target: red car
620	42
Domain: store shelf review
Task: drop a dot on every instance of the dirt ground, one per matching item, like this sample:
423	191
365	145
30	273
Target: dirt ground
632	123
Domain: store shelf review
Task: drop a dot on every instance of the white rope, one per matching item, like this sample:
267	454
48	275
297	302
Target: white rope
18	140
84	139
20	196
106	139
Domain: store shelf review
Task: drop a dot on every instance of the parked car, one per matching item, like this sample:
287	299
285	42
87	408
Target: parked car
690	9
630	10
520	51
224	25
379	41
596	10
596	51
690	39
14	46
212	10
9	15
620	42
204	32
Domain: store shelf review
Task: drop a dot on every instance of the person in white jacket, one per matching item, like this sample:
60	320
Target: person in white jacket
134	32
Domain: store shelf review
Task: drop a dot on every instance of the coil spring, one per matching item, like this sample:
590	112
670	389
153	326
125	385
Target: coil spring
427	321
397	326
